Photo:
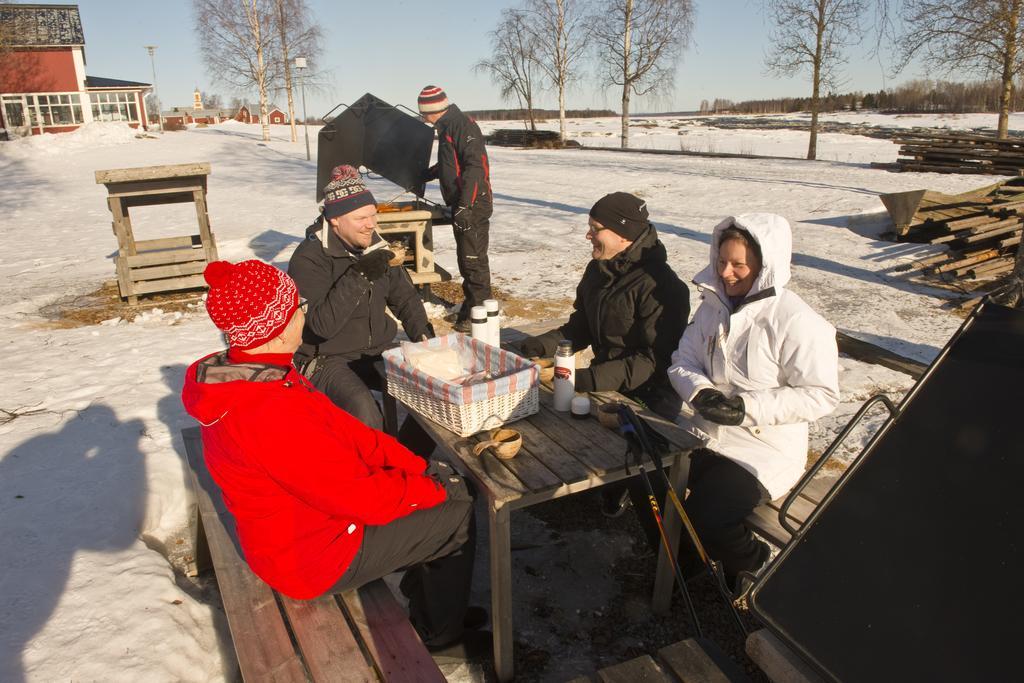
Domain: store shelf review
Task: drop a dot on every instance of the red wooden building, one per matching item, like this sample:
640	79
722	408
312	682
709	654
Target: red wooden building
274	115
43	85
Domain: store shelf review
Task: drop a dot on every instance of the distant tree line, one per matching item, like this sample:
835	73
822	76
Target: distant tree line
513	114
913	97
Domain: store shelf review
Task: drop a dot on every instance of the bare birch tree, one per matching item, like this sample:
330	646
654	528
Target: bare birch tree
560	30
810	35
638	44
513	63
981	36
238	44
298	36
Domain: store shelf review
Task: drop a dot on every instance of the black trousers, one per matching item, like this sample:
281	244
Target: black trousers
722	494
436	548
348	384
471	244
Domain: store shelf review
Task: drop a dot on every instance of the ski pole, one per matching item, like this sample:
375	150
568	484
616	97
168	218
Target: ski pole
633	447
713	568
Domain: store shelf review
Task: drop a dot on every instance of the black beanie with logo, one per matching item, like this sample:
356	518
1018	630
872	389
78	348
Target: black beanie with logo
622	213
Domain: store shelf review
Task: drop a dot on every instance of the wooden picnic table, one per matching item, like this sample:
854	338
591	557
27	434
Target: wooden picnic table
560	456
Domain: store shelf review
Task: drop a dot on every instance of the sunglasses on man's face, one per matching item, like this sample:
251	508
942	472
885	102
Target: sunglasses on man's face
303	305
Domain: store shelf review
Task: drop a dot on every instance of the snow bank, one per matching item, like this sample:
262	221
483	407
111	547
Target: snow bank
91	135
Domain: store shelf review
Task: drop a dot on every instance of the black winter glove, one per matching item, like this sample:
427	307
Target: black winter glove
373	265
715	407
531	347
460	219
584	380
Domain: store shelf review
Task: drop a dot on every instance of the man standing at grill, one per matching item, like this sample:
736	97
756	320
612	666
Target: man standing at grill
463	171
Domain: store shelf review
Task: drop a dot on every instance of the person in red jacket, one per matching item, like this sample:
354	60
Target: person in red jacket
322	503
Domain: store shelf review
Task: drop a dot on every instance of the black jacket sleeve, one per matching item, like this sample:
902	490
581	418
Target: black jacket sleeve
469	146
576	329
331	300
405	303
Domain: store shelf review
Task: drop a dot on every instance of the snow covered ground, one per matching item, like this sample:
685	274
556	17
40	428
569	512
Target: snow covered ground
93	488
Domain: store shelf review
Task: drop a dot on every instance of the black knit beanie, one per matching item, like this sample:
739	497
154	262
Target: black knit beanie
622	213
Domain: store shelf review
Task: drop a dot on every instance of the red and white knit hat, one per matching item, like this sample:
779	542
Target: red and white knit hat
432	100
251	302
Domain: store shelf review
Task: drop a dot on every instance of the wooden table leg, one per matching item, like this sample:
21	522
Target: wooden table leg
664	577
501	589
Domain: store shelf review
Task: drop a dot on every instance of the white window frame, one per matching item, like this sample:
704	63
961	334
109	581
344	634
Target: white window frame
36	103
21	101
115	105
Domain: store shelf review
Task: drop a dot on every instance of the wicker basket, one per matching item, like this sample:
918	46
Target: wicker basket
466	410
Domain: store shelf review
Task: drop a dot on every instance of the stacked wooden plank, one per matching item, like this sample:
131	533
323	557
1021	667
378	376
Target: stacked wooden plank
960	153
982	231
513	137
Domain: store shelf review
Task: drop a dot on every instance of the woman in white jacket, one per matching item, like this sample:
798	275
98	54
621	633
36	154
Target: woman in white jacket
756	364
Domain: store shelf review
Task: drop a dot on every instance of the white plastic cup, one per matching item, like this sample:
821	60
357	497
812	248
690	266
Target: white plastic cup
580	407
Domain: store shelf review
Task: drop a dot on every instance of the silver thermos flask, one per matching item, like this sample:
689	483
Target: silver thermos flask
565	376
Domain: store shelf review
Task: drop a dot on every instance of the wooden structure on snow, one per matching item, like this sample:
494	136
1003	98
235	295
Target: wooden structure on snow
166	264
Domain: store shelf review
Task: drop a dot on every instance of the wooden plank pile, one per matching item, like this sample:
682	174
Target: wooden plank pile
959	153
513	137
982	231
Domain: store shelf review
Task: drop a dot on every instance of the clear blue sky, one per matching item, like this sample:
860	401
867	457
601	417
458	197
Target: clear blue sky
392	48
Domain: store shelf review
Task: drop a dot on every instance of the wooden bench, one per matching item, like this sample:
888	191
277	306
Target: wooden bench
772	519
764	520
688	661
361	635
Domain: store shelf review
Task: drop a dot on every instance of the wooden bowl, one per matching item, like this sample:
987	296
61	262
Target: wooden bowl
608	414
398	249
504	442
547	368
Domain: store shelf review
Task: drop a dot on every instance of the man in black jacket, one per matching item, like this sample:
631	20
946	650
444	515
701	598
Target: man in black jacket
463	172
631	308
342	270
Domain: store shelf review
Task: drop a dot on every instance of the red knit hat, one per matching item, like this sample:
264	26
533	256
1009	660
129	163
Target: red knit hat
250	301
432	100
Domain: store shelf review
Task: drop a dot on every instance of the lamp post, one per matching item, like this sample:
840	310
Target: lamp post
300	66
151	49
